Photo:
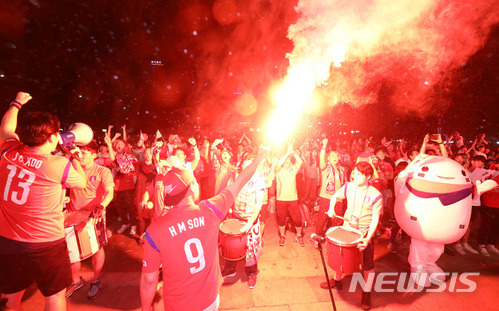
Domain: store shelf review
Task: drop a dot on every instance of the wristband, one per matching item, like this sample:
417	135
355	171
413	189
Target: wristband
16	104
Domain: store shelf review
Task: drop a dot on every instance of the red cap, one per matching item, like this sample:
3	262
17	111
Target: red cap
176	183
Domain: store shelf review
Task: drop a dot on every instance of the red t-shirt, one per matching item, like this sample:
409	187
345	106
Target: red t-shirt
98	179
185	241
125	171
32	186
381	183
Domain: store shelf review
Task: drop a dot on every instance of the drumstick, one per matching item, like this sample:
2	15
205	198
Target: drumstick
338	216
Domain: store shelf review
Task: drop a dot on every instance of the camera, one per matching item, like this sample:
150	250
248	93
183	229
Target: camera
434	136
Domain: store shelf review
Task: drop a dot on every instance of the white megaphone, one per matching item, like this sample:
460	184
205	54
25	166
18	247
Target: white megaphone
79	134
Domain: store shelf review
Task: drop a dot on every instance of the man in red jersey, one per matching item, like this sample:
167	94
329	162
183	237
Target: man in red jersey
95	197
185	240
32	186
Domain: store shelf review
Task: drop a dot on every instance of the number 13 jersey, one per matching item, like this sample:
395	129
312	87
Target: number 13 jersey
32	189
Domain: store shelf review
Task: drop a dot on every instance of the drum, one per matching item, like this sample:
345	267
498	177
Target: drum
81	236
232	243
342	252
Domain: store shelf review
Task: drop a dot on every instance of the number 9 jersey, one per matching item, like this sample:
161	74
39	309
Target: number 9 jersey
32	190
185	242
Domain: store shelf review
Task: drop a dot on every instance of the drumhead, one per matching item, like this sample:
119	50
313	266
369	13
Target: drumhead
344	235
75	218
232	226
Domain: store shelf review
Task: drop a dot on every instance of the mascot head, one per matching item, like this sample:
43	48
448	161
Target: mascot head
433	199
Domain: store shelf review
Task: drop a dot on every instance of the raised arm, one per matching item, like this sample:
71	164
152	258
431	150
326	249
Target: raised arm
9	120
474	144
214	146
206	151
281	162
441	145
322	155
125	137
109	128
423	146
247	173
243	138
482	139
109	143
141	143
197	156
298	160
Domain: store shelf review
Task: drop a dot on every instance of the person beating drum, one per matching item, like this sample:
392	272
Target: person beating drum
364	204
247	206
96	196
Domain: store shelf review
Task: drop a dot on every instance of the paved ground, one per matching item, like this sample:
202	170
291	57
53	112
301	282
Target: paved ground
289	280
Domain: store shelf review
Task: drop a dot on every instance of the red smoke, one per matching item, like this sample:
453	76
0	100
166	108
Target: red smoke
219	56
409	48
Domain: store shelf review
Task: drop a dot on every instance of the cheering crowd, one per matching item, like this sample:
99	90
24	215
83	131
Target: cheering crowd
171	193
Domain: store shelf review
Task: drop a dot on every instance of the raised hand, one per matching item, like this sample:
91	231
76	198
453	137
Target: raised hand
22	98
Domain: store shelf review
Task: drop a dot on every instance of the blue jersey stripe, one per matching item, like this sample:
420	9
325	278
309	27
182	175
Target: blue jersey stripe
151	242
215	210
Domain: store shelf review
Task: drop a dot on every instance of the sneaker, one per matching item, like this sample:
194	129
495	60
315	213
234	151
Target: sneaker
365	304
334	284
491	248
282	239
74	287
459	248
133	230
228	273
94	291
300	241
483	250
392	247
123	228
469	249
252	280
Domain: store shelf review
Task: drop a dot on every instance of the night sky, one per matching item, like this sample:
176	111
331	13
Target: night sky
201	66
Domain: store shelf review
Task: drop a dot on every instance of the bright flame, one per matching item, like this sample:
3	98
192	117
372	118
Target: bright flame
296	92
304	74
290	99
338	54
